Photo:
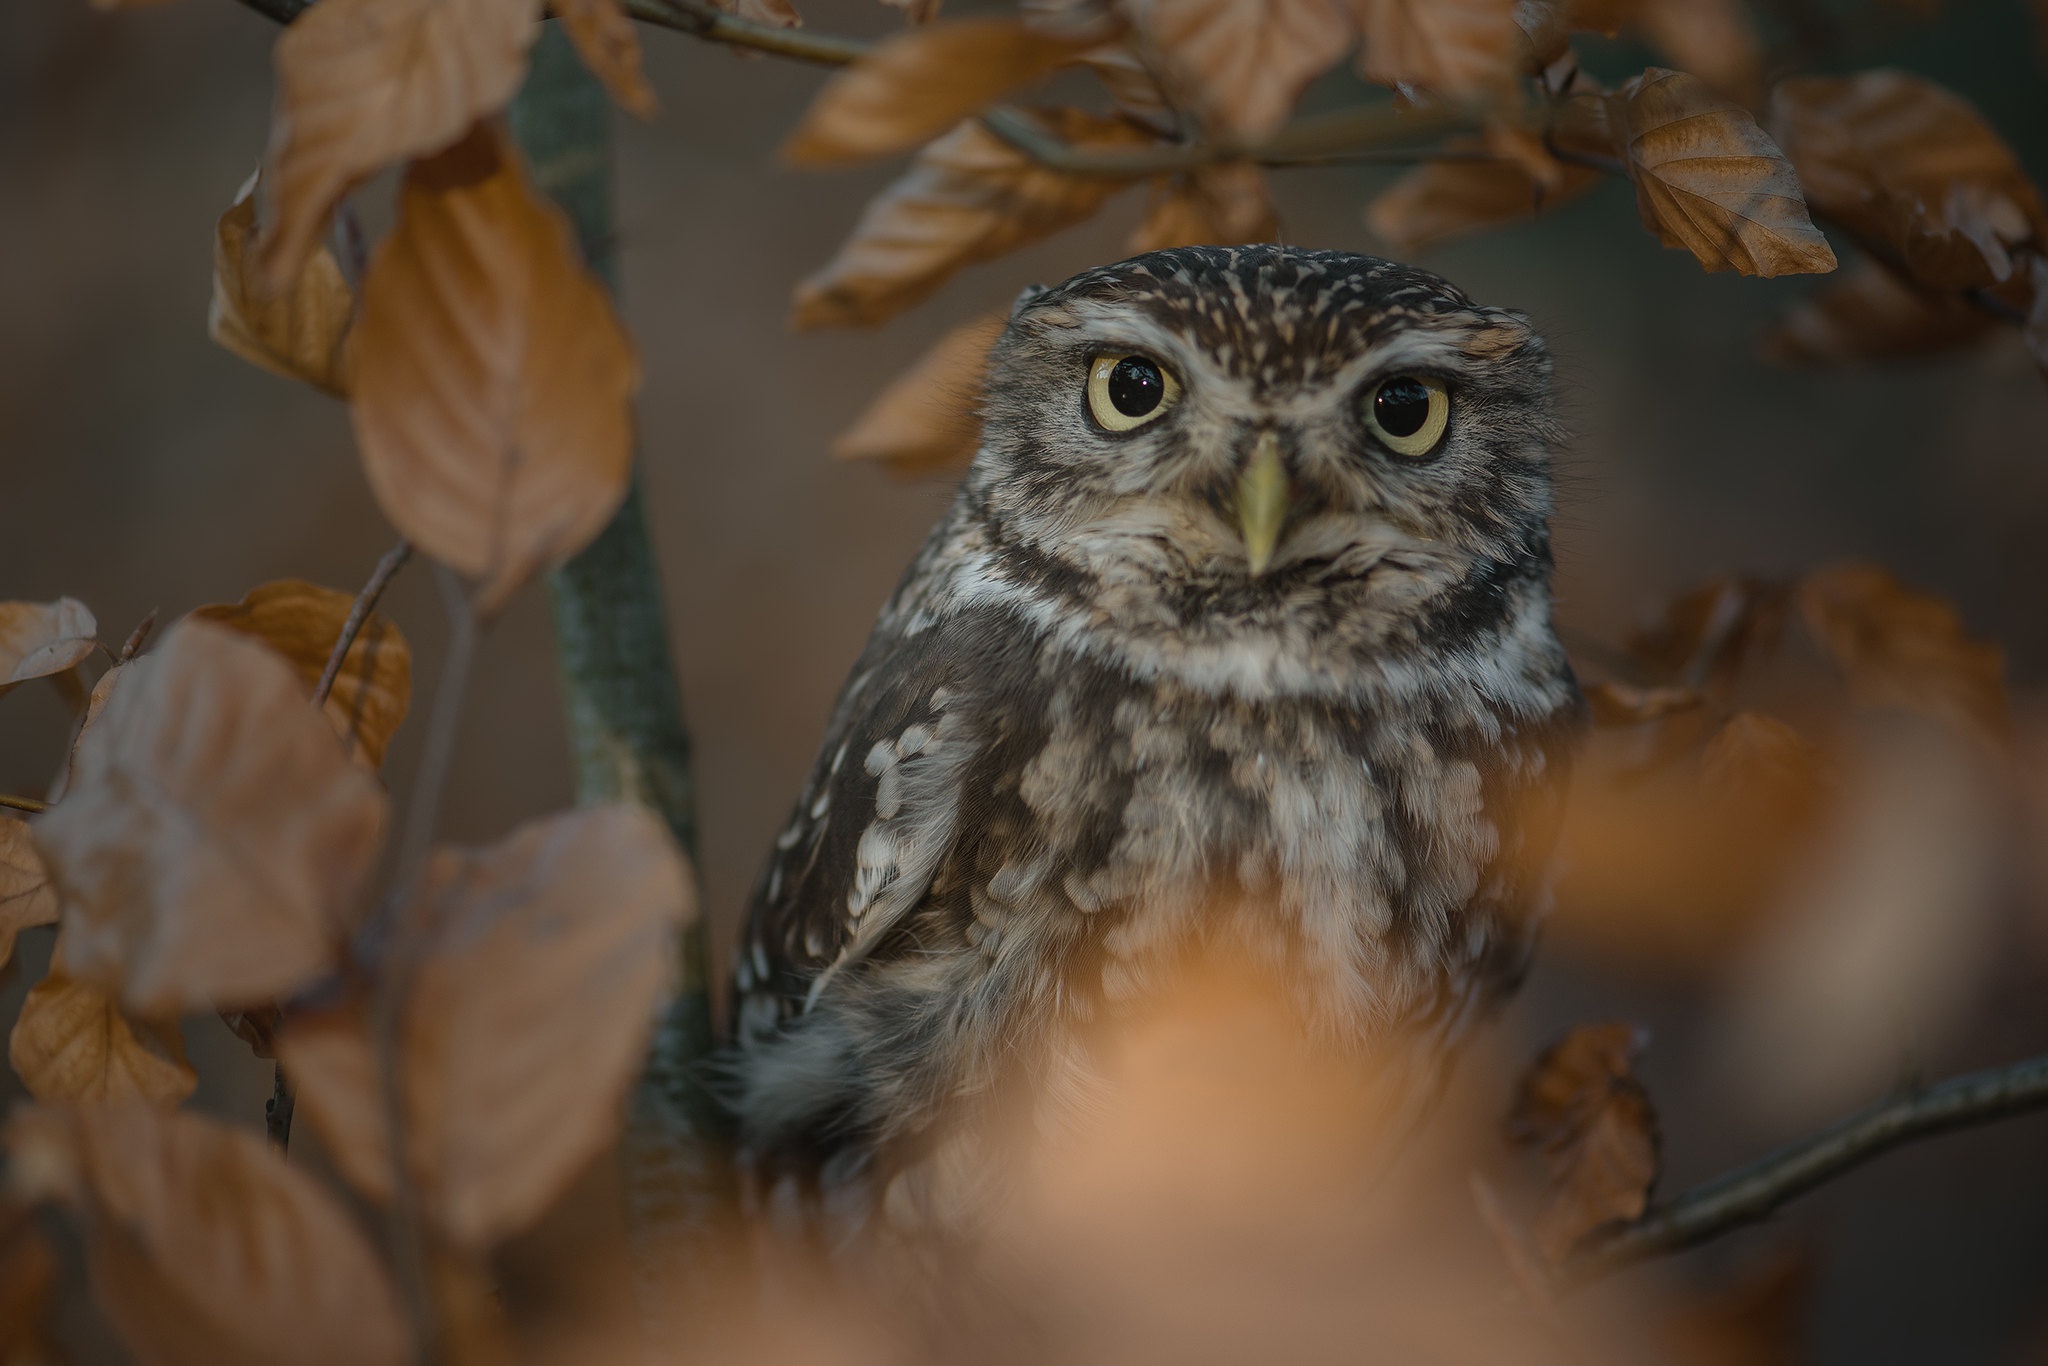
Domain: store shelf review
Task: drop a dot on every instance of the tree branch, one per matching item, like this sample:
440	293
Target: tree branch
1749	1194
1361	133
365	603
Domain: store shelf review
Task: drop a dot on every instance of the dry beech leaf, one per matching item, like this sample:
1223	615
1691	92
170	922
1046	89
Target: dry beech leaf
38	639
1624	704
928	420
1454	47
302	621
296	331
1913	170
1219	205
1867	313
362	84
204	1246
1247	60
1899	648
1711	39
1446	199
967	197
609	44
529	1007
1582	1111
26	897
72	1042
494	386
215	837
1709	180
918	84
1710	634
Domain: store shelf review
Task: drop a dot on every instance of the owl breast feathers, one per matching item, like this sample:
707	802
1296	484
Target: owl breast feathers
1237	636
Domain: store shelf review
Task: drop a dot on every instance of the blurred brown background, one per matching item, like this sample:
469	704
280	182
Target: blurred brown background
145	468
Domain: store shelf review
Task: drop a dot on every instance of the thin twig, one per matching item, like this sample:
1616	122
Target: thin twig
1749	1194
365	603
29	804
277	1112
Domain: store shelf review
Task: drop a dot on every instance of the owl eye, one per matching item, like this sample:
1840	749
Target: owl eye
1128	391
1409	414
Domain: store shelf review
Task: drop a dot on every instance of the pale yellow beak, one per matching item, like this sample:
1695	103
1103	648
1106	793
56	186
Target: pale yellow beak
1262	502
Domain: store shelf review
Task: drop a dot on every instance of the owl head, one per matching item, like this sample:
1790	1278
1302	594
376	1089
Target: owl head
1331	450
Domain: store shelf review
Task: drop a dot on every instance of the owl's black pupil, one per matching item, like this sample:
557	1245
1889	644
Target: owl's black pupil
1136	386
1402	406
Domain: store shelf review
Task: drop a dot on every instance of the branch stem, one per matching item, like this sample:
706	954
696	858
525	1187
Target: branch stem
28	804
365	603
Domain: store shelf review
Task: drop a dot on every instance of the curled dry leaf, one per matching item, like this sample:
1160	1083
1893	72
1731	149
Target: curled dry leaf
1221	205
204	1246
303	621
1709	180
970	196
494	385
918	84
1710	634
1246	61
215	837
296	331
1453	47
1711	39
26	897
38	639
929	418
610	46
1582	1111
1913	170
1446	199
526	1015
365	83
72	1042
1867	313
1899	648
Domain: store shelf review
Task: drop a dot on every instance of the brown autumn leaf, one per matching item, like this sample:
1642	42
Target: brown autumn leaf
969	196
1900	648
362	84
529	1006
914	86
1867	313
72	1042
1709	180
297	331
1452	47
609	45
1446	199
303	621
26	896
1615	703
1709	635
1223	204
1913	171
1247	61
774	13
216	835
928	420
494	385
1756	1318
203	1245
1582	1111
38	639
28	1281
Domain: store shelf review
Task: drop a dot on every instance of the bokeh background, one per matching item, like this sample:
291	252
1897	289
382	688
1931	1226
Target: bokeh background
143	468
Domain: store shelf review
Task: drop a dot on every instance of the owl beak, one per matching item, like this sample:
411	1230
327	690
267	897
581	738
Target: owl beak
1262	502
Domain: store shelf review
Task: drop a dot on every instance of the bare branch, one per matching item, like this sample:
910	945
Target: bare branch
366	602
1749	1194
1370	132
28	804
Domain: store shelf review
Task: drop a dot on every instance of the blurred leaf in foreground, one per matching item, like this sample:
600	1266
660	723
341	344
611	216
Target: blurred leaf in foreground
1582	1111
72	1042
928	419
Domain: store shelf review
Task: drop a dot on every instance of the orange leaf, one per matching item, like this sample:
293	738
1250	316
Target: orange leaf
1623	704
362	84
1708	179
1455	47
566	922
970	196
296	332
928	419
204	1246
918	84
26	896
1446	199
302	621
38	639
1868	313
494	386
1248	60
215	837
1222	205
1581	1109
72	1042
1899	648
610	46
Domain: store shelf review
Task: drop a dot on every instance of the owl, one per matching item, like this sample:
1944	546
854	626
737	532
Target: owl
1236	638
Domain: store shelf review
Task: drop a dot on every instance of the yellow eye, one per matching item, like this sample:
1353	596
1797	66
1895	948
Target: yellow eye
1128	391
1409	414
